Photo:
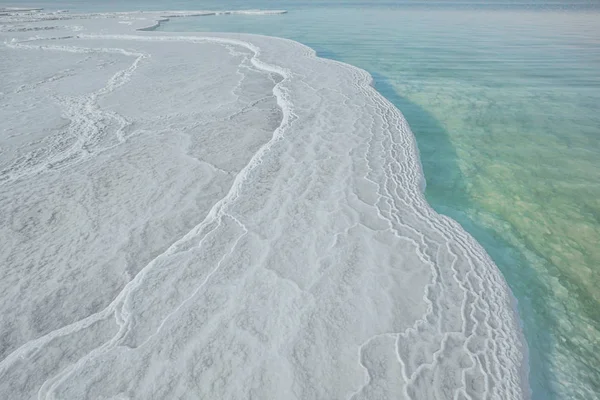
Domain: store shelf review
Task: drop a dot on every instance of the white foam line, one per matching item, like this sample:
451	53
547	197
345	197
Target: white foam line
33	15
178	14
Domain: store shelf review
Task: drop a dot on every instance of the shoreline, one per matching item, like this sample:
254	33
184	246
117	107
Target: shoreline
514	300
415	183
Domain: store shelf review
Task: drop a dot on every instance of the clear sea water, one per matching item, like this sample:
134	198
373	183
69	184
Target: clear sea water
504	100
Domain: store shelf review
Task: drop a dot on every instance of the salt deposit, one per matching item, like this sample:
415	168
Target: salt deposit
225	216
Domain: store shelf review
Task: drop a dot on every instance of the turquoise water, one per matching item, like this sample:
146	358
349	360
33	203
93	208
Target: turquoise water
504	106
503	99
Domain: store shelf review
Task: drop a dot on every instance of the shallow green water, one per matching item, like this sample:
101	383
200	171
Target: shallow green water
505	107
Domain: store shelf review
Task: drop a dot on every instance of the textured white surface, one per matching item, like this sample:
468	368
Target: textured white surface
185	216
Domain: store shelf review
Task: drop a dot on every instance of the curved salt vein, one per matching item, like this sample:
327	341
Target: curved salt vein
204	282
81	110
46	389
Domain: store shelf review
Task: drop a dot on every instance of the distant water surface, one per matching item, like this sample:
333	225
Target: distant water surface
503	98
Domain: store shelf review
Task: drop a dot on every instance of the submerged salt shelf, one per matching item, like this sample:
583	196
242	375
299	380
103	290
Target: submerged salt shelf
226	216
